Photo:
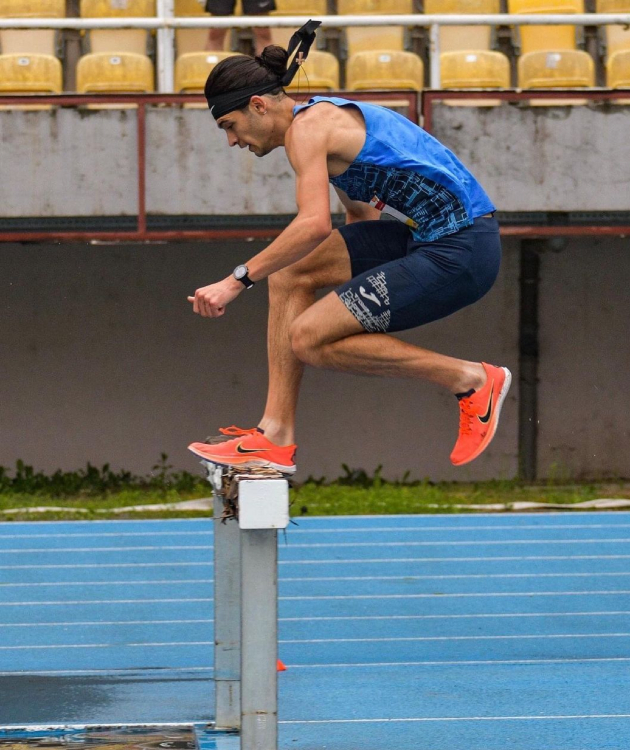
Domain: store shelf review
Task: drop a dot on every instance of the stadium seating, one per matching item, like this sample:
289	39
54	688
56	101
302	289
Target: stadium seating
28	63
374	38
193	68
466	60
191	40
549	55
394	70
617	45
107	73
117	61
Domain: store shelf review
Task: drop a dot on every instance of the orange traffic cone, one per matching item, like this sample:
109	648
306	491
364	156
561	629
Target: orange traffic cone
281	667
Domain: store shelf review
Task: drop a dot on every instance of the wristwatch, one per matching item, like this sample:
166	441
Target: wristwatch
240	274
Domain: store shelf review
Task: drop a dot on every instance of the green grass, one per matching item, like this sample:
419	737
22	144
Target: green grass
98	492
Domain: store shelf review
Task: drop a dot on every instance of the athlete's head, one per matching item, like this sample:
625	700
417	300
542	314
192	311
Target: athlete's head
246	94
257	121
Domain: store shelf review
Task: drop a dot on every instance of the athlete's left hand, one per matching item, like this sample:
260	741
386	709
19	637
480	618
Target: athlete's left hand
210	301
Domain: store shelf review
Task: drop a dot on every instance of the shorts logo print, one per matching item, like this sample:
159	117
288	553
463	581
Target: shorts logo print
372	321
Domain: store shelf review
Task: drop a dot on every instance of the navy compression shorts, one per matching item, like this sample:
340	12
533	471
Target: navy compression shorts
400	283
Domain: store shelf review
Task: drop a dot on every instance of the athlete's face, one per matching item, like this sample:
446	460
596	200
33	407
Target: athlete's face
251	128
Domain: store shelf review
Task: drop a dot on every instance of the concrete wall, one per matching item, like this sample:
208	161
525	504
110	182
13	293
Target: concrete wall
103	361
78	163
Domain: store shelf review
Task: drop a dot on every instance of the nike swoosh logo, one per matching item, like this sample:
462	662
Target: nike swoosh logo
240	449
486	416
370	296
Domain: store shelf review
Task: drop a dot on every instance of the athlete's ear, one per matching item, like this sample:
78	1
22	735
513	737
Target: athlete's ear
258	104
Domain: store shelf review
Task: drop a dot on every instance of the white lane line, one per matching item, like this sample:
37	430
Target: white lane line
319	579
109	645
148	671
470	663
451	596
57	550
113	583
484	615
455	638
323	598
322	640
336	545
352	561
102	602
348	530
109	565
84	623
446	577
559	717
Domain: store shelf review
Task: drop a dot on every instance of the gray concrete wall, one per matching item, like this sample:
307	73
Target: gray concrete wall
83	163
103	361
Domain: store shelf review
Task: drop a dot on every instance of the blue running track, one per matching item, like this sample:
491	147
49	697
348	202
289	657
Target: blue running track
483	632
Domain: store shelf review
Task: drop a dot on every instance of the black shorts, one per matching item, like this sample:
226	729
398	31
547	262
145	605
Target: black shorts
250	7
399	283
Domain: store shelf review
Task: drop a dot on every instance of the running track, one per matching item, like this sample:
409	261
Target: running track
485	632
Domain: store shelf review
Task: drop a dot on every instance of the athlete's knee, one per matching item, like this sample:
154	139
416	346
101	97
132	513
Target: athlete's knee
305	342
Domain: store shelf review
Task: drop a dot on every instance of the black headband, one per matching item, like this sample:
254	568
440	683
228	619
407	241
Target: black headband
300	43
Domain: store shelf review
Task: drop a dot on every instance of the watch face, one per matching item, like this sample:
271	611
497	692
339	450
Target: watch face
240	272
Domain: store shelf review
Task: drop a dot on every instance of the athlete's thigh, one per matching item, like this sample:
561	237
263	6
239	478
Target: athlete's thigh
351	250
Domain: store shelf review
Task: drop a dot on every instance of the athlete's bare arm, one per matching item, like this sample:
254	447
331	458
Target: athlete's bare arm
357	210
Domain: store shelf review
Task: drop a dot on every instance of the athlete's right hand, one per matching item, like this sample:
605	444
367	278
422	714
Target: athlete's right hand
210	301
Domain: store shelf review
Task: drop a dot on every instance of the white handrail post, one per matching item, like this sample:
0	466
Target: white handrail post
434	55
166	48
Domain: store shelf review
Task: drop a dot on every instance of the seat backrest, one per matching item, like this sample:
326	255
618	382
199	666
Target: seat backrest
373	7
543	38
617	37
30	41
300	8
118	40
369	38
457	38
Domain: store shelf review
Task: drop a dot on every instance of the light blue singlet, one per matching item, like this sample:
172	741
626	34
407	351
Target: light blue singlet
402	167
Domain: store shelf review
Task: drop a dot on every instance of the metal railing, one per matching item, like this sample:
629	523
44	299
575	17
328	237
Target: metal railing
166	22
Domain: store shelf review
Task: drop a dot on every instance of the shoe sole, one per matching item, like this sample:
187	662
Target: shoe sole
495	422
247	463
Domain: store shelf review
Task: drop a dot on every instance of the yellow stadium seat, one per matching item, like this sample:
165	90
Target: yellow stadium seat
549	70
454	38
118	40
618	70
320	72
372	7
29	74
481	69
107	73
193	40
374	38
545	38
193	68
617	37
300	8
390	71
30	41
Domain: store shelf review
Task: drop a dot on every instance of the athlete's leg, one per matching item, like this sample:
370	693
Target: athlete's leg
328	335
291	292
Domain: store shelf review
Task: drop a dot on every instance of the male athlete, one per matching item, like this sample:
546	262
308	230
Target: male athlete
442	254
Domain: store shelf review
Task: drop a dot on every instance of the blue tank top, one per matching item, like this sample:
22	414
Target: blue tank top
404	171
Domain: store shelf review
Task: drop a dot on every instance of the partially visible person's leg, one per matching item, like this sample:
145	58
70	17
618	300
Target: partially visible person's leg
262	39
216	37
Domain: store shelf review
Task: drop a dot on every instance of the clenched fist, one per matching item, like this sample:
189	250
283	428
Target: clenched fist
210	301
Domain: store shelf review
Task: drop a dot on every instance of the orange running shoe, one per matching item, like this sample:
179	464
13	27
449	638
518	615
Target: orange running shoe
250	450
479	414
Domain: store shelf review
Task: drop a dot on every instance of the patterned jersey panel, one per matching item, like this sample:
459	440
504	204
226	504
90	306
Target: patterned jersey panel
434	209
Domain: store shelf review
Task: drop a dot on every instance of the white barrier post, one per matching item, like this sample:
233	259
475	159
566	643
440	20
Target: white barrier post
246	604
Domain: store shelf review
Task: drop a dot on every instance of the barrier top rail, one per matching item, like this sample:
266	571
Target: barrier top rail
166	22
